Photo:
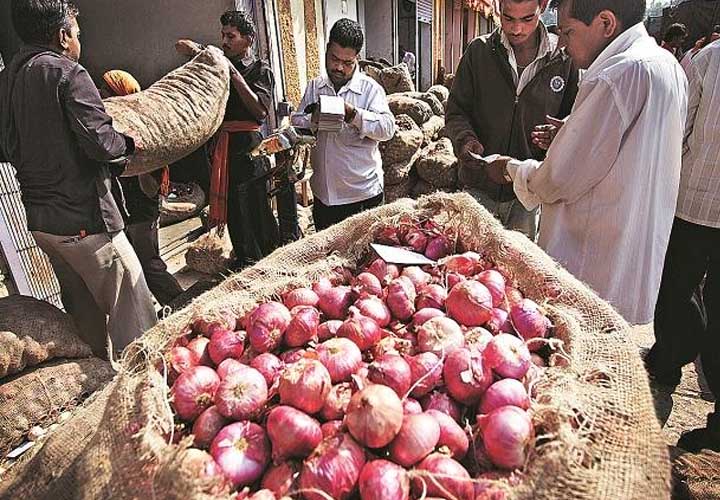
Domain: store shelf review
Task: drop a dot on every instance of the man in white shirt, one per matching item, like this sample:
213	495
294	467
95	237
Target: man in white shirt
347	168
686	316
609	184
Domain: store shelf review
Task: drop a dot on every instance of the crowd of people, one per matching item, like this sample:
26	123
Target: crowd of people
594	142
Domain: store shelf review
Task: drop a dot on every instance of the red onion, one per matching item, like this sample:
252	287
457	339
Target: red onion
513	295
452	279
266	326
180	359
537	360
411	407
228	366
499	322
505	392
437	248
374	308
281	478
293	355
393	371
303	326
262	495
201	465
384	480
383	271
428	368
452	436
417	438
423	315
337	402
226	344
508	356
293	434
440	336
216	327
443	403
321	286
305	385
466	376
374	416
242	451
465	264
242	394
416	240
418	277
431	296
301	297
199	347
401	298
470	303
530	322
200	326
443	478
364	331
193	391
341	357
507	433
495	283
369	284
206	427
388	235
269	365
329	329
477	339
335	302
333	468
332	428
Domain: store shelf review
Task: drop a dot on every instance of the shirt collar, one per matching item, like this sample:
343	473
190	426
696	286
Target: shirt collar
244	61
548	42
622	43
354	85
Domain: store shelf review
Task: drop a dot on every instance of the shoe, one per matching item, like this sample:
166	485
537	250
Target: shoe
697	440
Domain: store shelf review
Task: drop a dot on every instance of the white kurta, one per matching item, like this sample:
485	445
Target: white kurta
609	185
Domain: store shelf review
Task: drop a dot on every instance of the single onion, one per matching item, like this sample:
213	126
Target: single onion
452	279
193	391
335	302
242	451
505	392
383	271
301	297
369	284
466	376
443	477
200	348
374	416
242	394
508	356
401	298
201	465
322	286
333	469
431	296
465	264
337	402
443	403
495	283
365	332
423	315
513	296
388	235
293	355
266	326
374	308
384	480
281	478
452	436
499	322
470	303
411	407
416	240
393	371
530	322
179	360
332	428
305	385
228	366
440	335
537	360
426	369
269	365
329	329
293	434
226	344
303	326
477	339
417	438
437	248
418	277
341	357
507	433
206	427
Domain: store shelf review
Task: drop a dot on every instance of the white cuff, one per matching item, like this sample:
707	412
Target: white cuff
520	172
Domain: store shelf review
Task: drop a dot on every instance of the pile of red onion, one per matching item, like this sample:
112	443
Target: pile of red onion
389	382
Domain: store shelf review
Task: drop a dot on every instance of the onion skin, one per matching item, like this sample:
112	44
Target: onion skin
332	428
441	336
329	329
508	356
417	438
505	392
443	403
466	376
401	298
431	297
530	322
393	371
193	391
452	435
270	366
337	402
421	365
507	433
293	434
438	470
280	479
499	322
333	468
303	326
374	308
368	283
469	303
301	297
341	357
228	366
242	451
411	407
266	326
495	283
305	385
374	416
424	315
226	344
207	426
477	339
383	480
200	346
364	332
437	248
242	394
335	302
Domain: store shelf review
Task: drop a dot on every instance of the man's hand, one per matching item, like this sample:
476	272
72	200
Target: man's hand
350	112
543	135
470	146
497	171
188	48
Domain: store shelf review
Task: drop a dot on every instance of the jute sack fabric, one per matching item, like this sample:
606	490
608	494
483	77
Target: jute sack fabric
438	164
33	331
431	129
401	104
404	144
699	475
397	79
210	254
600	436
177	114
402	189
39	395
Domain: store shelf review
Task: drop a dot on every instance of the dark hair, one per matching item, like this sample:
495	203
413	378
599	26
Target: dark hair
38	21
676	30
240	20
629	12
347	34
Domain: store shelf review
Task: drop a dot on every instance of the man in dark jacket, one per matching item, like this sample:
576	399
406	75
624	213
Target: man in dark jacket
507	84
54	129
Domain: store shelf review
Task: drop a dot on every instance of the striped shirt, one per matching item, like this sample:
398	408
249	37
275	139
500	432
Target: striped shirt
699	199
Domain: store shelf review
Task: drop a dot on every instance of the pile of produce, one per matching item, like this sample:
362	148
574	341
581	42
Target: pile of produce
392	382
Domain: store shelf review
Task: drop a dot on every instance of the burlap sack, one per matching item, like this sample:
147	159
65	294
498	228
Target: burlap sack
441	92
429	99
432	128
38	396
401	190
397	176
210	254
177	114
401	104
33	331
600	436
698	475
423	188
438	165
397	79
404	144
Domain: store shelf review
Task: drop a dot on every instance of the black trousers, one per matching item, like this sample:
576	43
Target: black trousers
326	216
687	315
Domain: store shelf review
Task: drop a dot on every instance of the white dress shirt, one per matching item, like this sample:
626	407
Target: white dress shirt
609	185
699	199
347	167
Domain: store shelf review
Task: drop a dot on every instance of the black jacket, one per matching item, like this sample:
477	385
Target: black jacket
54	130
484	104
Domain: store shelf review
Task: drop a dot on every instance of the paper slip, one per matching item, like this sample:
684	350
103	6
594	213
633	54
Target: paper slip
395	255
485	159
332	113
